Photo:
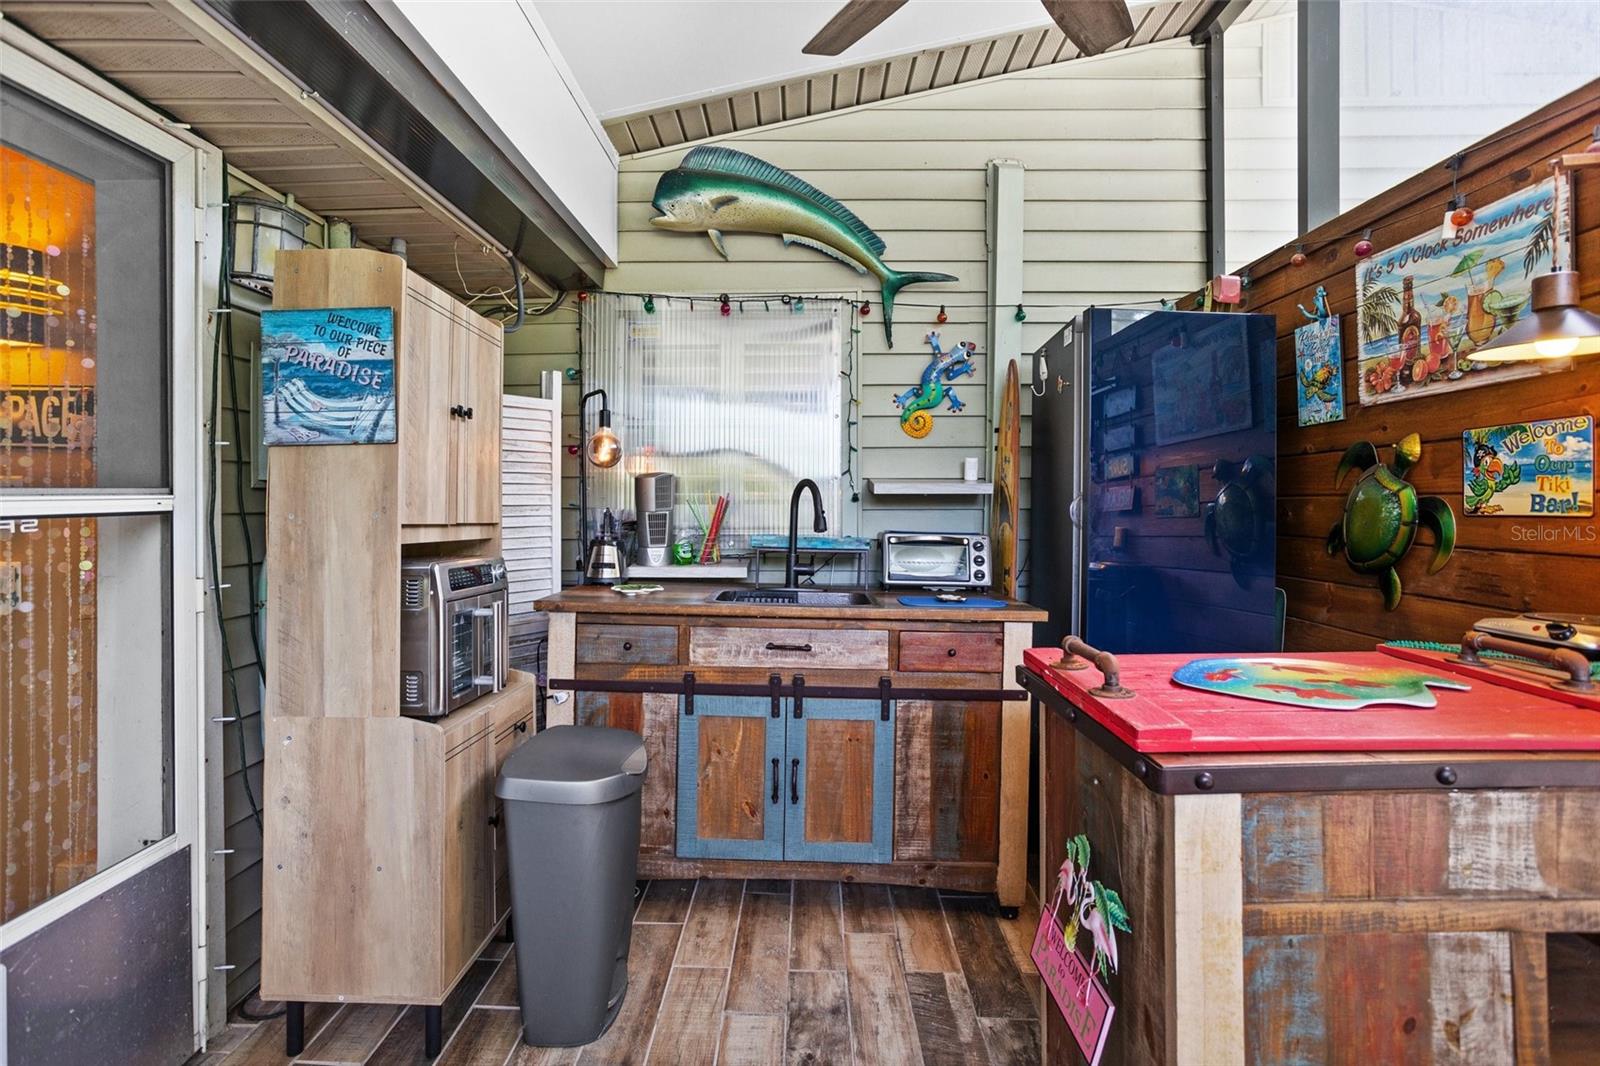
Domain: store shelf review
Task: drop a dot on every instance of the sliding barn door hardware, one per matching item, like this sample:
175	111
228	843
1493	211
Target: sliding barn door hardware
798	688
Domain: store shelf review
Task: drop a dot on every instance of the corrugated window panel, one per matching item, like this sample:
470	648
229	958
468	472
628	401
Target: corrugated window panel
743	405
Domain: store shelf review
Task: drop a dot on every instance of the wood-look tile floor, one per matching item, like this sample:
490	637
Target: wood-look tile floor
738	973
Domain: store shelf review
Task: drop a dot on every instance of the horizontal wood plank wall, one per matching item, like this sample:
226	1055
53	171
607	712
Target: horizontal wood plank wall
1500	564
1113	153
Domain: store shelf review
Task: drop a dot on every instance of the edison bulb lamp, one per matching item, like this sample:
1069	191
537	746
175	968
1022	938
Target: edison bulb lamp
604	448
1556	328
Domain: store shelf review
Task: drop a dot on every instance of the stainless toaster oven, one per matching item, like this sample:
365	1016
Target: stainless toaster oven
935	560
453	639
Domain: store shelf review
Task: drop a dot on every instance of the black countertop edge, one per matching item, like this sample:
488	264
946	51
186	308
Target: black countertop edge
1197	777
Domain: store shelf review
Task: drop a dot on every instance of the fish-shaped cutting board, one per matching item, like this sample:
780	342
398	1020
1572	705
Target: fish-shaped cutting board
717	190
1323	686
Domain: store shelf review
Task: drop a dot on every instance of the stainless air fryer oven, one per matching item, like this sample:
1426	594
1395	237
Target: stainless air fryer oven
453	639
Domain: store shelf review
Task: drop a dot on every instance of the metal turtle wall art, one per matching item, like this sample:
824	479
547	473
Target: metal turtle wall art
1236	521
1382	513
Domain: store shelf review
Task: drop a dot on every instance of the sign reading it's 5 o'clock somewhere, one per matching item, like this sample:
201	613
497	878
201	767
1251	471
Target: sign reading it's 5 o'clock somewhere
327	376
1423	307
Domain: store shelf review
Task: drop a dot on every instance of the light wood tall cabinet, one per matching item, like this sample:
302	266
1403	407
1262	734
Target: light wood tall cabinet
450	466
384	869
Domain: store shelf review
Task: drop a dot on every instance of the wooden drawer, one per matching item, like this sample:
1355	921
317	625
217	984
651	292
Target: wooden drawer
832	649
509	740
627	644
982	653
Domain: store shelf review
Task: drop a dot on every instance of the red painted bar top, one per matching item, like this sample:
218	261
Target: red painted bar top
1164	716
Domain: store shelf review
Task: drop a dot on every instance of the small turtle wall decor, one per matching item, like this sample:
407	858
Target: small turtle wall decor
1236	521
916	403
1382	513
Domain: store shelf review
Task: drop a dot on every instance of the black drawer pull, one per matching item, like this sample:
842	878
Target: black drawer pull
951	653
794	780
627	645
466	412
774	780
494	820
521	727
788	647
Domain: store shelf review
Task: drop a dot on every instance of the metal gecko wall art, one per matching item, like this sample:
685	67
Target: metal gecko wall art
917	403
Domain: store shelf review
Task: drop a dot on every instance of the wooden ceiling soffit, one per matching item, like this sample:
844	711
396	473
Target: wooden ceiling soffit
890	79
176	57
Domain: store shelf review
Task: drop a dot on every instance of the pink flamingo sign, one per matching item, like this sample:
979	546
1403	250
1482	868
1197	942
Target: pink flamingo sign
1080	997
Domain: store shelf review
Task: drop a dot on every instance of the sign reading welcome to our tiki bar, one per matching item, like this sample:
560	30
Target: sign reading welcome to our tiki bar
327	376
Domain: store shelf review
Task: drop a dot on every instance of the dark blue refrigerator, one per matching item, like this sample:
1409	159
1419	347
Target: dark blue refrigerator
1153	519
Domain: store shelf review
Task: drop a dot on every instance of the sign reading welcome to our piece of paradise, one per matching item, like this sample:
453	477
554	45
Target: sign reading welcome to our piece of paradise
1424	306
327	376
1530	469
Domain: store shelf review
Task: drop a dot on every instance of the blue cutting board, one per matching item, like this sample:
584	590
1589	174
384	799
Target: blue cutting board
971	603
811	542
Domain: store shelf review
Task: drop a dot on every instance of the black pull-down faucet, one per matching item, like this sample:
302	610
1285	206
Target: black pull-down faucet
792	571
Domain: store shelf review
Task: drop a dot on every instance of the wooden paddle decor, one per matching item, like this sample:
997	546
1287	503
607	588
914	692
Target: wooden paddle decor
1008	443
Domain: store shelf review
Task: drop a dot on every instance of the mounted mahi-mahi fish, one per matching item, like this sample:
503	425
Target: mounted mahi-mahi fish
719	190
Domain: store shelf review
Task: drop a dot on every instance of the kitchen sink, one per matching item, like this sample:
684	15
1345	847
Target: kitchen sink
794	597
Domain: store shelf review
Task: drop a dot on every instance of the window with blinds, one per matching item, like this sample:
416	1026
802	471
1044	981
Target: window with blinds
743	405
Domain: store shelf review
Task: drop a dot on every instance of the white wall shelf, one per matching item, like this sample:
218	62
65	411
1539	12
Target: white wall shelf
930	487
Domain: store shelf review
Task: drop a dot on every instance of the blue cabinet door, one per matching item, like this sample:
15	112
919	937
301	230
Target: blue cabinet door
839	782
730	778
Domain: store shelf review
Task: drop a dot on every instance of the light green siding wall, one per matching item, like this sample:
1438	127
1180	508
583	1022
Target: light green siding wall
242	866
1114	189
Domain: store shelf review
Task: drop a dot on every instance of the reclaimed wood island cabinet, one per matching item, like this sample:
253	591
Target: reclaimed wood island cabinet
867	742
1394	884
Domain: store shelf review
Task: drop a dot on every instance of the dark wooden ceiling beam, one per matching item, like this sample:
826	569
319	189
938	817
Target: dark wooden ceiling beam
849	24
1092	25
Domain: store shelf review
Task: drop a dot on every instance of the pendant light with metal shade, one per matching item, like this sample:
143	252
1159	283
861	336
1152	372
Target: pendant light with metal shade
1555	328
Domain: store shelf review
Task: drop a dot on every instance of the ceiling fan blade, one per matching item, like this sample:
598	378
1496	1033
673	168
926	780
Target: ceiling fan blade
1092	25
849	24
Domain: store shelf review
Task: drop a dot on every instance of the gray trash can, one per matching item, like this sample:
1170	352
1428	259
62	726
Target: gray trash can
571	798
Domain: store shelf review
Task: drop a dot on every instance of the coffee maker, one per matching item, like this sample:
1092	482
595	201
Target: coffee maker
653	497
604	564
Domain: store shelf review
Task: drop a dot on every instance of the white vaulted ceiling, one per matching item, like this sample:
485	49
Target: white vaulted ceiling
632	56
